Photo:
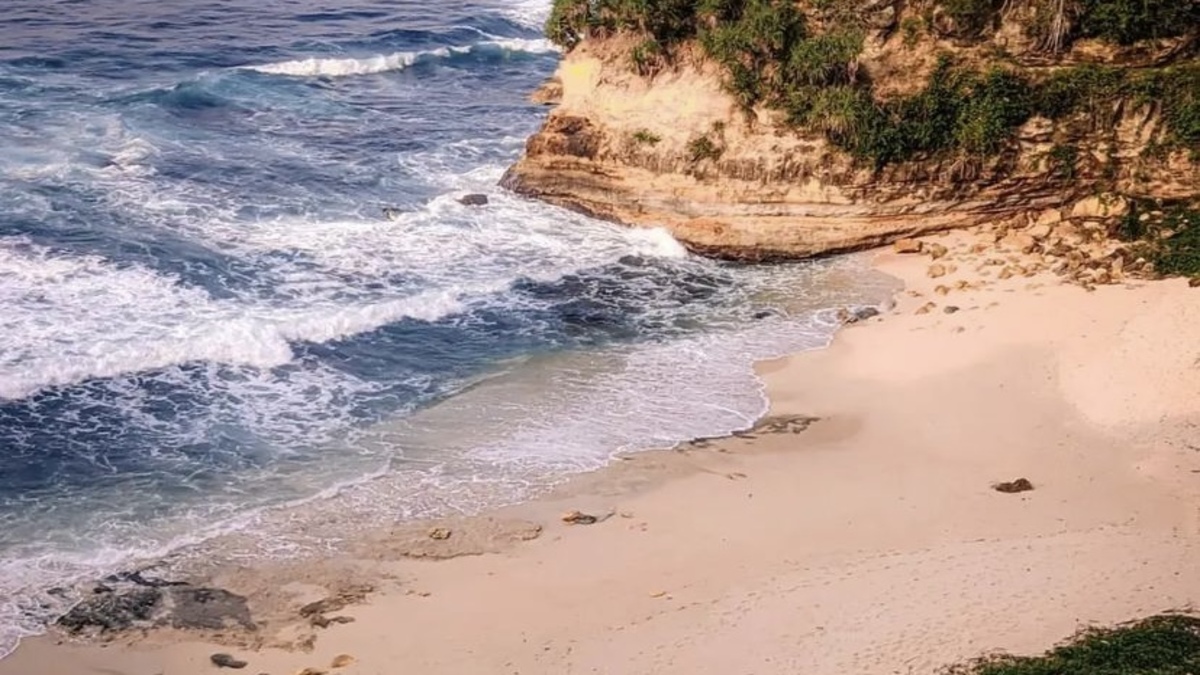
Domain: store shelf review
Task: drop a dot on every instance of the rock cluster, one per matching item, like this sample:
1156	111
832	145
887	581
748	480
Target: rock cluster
1076	245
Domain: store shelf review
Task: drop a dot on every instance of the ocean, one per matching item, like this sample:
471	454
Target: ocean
208	327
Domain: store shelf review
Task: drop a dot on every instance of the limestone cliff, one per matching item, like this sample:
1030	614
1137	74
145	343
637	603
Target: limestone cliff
674	147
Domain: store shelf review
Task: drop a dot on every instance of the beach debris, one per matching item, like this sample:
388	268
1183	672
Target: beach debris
313	671
907	246
473	200
784	424
578	518
658	594
926	308
440	533
322	621
1014	486
342	660
942	290
936	270
937	251
222	660
950	309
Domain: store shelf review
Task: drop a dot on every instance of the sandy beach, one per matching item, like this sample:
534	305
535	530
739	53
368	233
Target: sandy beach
855	530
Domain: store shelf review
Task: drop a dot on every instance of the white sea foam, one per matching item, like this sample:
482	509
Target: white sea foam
529	13
70	318
383	63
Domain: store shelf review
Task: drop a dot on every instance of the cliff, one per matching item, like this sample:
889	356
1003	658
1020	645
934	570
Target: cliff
858	122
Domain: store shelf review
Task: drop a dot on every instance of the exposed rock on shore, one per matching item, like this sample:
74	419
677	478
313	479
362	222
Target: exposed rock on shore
670	145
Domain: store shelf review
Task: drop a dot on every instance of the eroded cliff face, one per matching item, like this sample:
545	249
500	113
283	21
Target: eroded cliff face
676	150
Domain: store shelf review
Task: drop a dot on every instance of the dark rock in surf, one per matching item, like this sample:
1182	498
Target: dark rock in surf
109	610
474	200
390	213
133	600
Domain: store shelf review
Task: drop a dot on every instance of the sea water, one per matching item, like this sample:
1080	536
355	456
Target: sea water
207	325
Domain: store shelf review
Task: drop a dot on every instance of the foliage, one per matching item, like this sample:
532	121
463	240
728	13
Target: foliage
1170	234
772	57
958	110
1064	161
911	28
971	17
646	137
1161	645
1092	90
1128	21
702	147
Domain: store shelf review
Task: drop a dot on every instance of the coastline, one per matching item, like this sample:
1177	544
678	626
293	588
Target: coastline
869	540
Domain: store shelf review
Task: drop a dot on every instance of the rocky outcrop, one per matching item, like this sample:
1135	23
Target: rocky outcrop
676	150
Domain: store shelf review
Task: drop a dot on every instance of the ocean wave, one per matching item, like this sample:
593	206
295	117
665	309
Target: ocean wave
383	63
73	318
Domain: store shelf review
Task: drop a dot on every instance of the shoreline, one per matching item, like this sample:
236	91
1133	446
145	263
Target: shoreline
865	541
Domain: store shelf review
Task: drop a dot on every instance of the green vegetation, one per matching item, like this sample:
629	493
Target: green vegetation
771	56
646	137
1128	21
971	17
911	28
1161	645
1169	235
702	147
1064	161
1091	90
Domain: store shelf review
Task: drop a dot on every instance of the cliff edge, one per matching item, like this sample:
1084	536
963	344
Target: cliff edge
761	130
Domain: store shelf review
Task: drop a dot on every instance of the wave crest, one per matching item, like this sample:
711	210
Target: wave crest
383	63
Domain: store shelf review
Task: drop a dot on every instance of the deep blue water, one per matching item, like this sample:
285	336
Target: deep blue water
203	313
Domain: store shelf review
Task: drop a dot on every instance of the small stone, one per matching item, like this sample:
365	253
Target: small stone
1007	273
1194	282
1039	231
312	671
937	270
950	309
926	308
341	661
1010	487
226	661
938	251
907	246
439	533
473	200
578	518
1049	217
942	290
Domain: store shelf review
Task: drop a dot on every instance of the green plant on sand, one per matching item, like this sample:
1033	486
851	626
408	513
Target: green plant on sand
1167	644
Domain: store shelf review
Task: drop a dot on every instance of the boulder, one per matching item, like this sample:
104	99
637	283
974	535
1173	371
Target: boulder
227	661
1100	206
473	200
907	246
1013	486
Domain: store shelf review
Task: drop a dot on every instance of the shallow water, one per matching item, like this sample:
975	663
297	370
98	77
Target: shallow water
205	321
